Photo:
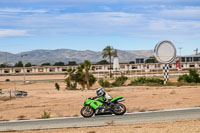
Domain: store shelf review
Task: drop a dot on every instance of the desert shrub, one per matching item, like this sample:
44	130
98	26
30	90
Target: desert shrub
57	86
92	79
193	77
119	81
146	81
46	115
70	85
171	84
104	83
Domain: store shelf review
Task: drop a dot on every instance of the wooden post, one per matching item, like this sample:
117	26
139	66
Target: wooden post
10	94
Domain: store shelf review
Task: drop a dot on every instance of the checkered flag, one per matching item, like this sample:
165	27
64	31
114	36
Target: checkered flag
166	72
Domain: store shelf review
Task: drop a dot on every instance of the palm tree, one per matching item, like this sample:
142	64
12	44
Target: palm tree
109	52
87	66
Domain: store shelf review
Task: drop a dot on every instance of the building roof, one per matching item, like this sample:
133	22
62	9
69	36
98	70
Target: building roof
193	55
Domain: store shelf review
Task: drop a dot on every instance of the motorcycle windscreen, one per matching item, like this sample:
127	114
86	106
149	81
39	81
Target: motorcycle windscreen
116	98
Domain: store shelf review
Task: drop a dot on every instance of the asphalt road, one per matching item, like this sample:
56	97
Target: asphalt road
133	118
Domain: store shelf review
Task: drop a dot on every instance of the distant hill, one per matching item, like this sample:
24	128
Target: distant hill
65	55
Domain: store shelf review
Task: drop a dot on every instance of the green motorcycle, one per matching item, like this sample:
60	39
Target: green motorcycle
98	107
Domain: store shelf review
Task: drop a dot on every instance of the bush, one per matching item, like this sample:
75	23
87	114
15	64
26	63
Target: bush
46	115
146	81
119	81
92	79
104	83
193	77
57	86
70	85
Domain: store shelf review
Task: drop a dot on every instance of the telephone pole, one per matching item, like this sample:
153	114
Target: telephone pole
179	62
180	48
22	55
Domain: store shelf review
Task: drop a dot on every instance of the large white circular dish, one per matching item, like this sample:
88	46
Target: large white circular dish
165	52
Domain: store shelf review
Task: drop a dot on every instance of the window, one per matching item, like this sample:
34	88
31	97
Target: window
182	59
64	69
6	71
191	65
99	68
17	71
134	67
110	68
29	70
196	59
52	70
140	60
189	59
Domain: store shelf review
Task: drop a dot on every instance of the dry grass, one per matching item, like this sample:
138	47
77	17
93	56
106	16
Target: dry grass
173	92
21	117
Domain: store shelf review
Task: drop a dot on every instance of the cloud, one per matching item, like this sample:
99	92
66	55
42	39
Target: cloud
12	32
17	10
146	22
190	12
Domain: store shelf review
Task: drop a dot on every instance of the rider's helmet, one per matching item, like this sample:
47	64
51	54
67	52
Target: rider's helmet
100	92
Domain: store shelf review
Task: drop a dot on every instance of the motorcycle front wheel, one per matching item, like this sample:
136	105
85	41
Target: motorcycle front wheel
87	111
119	109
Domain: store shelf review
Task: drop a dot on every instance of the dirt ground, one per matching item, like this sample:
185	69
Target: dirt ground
32	77
42	96
166	127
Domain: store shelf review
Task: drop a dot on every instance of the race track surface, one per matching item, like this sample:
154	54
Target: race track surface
131	118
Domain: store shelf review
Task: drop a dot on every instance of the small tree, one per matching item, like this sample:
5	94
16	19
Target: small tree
70	80
46	64
2	65
80	76
28	64
151	59
57	86
102	62
87	66
19	64
59	64
132	62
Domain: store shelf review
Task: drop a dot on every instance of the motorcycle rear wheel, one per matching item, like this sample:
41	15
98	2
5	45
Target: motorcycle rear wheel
119	109
87	111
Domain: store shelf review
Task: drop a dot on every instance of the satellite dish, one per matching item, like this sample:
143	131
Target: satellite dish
165	52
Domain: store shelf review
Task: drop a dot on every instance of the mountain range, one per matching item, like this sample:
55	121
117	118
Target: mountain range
38	57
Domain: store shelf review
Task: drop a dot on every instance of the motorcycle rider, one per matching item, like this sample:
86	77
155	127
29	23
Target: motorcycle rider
105	98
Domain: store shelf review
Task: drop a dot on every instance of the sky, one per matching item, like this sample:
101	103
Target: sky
27	25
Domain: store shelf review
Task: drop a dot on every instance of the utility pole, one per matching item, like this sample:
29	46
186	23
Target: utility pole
22	55
180	48
6	59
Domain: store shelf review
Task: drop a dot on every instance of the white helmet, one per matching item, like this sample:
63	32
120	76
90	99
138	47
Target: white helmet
100	92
